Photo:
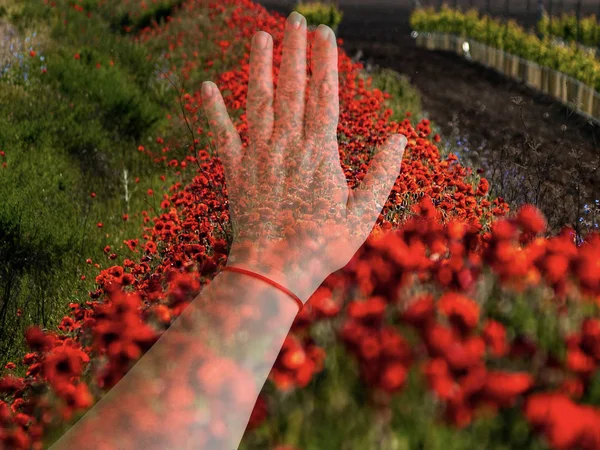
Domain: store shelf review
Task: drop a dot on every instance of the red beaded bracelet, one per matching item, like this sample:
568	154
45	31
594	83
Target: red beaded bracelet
271	282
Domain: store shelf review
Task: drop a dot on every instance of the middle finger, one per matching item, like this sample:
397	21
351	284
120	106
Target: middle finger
291	84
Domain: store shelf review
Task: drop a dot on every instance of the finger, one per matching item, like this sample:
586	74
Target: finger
323	104
329	180
366	201
291	82
322	107
229	144
259	104
310	108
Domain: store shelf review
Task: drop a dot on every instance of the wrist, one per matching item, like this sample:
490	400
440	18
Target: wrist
300	279
268	280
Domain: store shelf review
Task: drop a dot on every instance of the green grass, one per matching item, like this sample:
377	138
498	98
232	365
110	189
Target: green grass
71	131
404	97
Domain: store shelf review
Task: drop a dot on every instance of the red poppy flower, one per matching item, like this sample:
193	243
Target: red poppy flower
37	340
504	387
531	220
494	335
151	247
590	337
579	362
63	363
461	310
15	439
419	311
393	377
464	354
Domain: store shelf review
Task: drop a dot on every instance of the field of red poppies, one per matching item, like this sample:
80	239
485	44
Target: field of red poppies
459	324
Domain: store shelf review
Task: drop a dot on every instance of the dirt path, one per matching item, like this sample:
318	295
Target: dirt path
531	148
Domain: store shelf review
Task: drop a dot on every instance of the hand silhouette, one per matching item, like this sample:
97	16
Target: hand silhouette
293	216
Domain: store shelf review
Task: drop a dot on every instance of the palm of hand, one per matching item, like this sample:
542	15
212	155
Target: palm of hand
293	215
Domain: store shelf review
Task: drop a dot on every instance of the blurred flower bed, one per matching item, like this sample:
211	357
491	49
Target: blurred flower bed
456	325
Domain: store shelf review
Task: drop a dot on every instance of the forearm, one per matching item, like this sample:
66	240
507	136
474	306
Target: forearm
179	395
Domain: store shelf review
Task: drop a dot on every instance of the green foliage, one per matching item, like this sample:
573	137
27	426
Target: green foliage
39	226
80	107
320	13
403	96
417	424
129	21
513	39
113	98
72	128
565	27
592	396
335	400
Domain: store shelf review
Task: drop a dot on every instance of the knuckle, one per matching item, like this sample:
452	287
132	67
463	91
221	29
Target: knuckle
223	136
259	100
290	91
325	89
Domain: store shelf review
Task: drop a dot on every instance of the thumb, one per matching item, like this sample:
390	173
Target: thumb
366	201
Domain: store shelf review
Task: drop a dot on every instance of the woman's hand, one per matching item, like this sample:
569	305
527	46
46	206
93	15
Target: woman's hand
294	218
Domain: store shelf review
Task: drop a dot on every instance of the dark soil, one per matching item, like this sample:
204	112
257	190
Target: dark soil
531	148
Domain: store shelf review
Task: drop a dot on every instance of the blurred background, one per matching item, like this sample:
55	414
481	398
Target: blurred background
490	121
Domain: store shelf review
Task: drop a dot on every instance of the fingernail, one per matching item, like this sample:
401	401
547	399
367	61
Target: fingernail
400	140
403	141
207	89
262	39
323	31
295	19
